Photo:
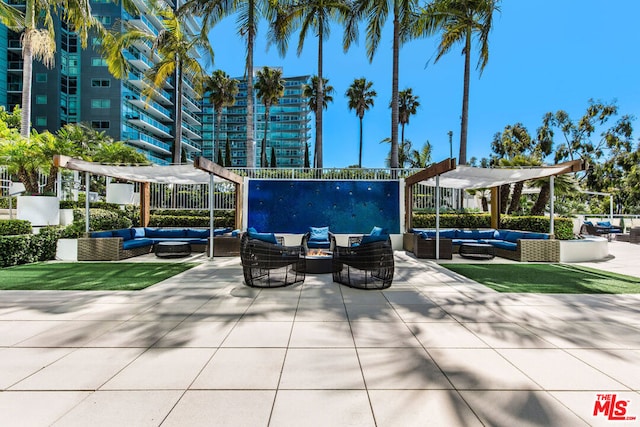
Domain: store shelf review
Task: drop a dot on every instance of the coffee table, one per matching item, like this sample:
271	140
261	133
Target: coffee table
321	263
477	251
172	249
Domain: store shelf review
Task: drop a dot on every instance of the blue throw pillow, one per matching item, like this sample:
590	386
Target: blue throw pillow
125	233
138	232
199	233
379	231
236	233
101	234
604	223
319	234
588	223
371	238
265	237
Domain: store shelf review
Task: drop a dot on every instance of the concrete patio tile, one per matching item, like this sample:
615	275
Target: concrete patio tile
443	334
406	297
334	369
179	367
270	312
133	334
15	331
221	310
287	294
621	365
507	335
119	311
480	369
566	334
558	370
472	312
242	368
519	408
196	334
326	293
319	311
321	408
122	408
383	334
359	296
39	408
70	334
169	311
400	369
418	408
321	334
372	312
20	363
583	403
212	408
421	313
259	334
83	369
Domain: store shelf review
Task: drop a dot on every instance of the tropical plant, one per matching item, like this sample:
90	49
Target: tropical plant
249	13
11	119
361	98
310	91
422	158
407	106
180	54
269	89
222	91
316	16
39	39
376	13
117	152
459	21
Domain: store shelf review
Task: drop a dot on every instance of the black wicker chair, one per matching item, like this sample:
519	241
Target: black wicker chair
365	266
331	243
268	265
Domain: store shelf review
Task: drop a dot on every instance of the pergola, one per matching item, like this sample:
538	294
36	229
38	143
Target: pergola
446	174
202	171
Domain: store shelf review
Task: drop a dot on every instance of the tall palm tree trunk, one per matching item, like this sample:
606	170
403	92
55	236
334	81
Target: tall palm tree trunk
465	101
250	145
360	155
263	151
514	206
319	102
543	198
27	71
394	88
216	141
177	141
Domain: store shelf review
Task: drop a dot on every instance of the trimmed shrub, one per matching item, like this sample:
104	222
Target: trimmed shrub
472	221
12	227
27	248
99	219
188	221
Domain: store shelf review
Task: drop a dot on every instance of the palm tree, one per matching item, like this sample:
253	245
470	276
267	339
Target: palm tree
314	15
422	158
361	98
376	12
249	13
407	106
222	91
179	52
459	20
39	38
269	88
310	91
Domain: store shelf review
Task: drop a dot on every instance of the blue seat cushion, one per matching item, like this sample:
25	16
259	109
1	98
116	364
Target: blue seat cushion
165	232
265	237
319	234
125	233
369	238
379	231
137	243
538	236
505	245
512	236
194	232
603	223
101	234
476	234
318	245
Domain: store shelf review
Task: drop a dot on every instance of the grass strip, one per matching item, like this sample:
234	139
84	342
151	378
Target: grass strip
547	278
88	276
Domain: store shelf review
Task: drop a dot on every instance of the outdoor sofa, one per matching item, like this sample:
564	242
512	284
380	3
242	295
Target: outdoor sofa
510	244
114	245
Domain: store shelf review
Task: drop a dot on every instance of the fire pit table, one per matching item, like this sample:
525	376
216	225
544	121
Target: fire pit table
318	262
172	249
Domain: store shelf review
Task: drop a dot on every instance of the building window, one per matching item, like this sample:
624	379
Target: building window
105	20
100	103
41	121
98	62
41	99
100	83
41	77
96	41
100	124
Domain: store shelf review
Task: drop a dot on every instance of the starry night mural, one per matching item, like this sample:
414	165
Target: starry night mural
347	207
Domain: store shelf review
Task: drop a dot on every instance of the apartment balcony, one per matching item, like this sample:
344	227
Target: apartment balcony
190	118
149	106
137	80
141	22
145	122
147	142
190	103
14	87
138	60
190	145
15	65
190	131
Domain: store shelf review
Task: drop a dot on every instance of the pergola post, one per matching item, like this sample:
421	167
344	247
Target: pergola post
495	207
145	203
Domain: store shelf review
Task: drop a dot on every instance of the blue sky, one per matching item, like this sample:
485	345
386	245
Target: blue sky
545	55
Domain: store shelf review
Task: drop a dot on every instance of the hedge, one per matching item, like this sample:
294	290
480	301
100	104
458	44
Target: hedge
99	219
563	227
189	221
26	248
12	227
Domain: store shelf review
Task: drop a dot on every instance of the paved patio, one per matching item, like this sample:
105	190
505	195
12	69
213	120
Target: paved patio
434	349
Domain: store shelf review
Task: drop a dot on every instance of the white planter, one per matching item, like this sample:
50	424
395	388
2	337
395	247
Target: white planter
39	210
119	193
67	250
588	249
66	216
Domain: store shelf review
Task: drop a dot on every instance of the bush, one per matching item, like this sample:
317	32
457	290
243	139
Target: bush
188	221
472	221
26	248
12	227
99	219
128	211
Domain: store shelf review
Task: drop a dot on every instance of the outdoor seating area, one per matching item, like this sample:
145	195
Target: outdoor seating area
511	244
267	263
364	264
600	228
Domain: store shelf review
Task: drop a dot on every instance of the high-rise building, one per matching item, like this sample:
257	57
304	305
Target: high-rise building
287	131
80	88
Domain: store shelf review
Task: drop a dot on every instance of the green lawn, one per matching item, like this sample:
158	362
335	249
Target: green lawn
547	278
90	276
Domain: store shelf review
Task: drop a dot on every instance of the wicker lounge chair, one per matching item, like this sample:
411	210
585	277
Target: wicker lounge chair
365	266
269	265
329	245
